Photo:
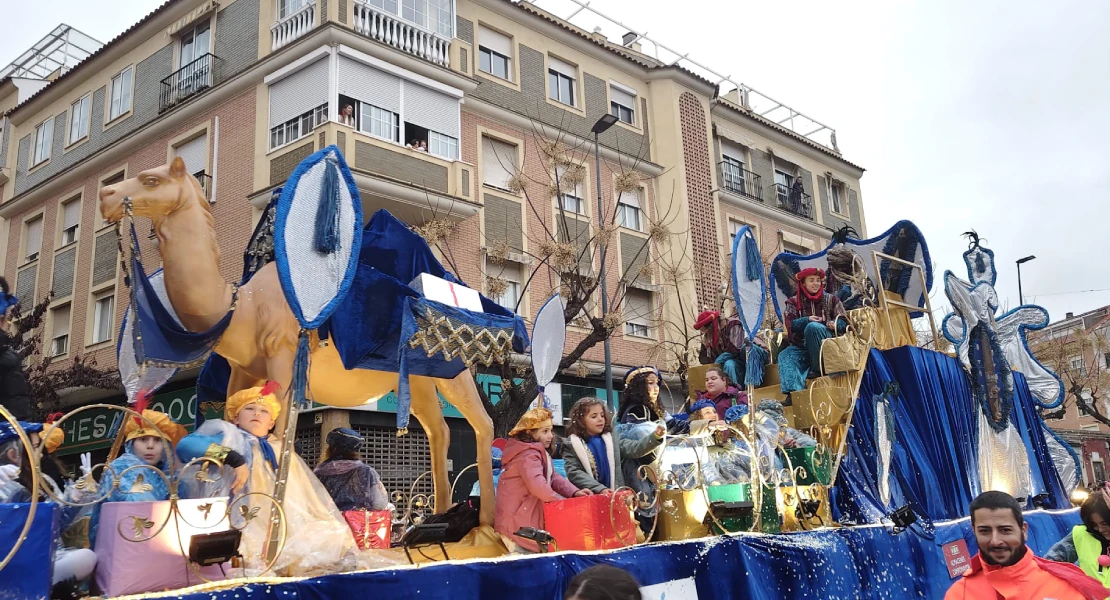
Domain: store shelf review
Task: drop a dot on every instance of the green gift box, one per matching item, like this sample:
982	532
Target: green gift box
817	465
741	492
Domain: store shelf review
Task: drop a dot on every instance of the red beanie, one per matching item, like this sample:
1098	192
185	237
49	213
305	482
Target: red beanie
801	276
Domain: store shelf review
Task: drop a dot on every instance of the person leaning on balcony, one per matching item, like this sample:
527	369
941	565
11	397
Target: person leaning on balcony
15	394
347	115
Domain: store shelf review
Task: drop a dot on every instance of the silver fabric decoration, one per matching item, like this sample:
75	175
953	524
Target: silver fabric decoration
884	437
1064	461
1003	461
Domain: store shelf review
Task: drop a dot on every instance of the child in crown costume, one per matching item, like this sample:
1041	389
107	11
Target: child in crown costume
317	540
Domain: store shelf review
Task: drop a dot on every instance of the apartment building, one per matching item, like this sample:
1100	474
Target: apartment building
475	114
1077	348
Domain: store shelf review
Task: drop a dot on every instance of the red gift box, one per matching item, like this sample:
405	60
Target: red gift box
371	528
584	523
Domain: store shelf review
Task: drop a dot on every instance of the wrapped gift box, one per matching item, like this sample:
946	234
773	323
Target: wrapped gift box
29	573
682	515
741	492
445	292
817	464
791	500
372	528
584	523
163	558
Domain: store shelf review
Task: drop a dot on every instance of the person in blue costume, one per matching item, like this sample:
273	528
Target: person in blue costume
318	540
811	317
144	451
71	565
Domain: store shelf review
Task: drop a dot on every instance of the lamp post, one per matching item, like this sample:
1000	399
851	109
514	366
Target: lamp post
1021	297
603	124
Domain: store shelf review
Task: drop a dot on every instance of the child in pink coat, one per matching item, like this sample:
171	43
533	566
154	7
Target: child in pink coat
528	479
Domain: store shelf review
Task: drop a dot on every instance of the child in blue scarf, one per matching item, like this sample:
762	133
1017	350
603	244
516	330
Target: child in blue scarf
595	463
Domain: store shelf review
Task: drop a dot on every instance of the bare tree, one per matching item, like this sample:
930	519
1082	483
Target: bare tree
1079	358
46	377
562	255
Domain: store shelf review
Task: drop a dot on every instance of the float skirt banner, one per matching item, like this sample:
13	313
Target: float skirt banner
845	563
29	572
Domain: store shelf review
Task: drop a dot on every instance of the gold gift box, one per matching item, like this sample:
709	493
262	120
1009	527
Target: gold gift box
682	515
788	499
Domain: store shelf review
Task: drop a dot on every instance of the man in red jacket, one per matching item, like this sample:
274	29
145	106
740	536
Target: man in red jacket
1006	569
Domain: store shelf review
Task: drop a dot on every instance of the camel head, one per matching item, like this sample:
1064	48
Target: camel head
154	193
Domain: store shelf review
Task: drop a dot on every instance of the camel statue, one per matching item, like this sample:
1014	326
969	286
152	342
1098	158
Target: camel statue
260	342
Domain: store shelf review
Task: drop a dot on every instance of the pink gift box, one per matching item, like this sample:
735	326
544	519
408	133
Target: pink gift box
125	566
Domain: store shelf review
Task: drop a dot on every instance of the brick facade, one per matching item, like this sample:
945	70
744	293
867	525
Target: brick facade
699	184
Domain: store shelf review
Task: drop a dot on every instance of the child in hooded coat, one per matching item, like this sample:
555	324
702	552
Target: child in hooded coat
528	480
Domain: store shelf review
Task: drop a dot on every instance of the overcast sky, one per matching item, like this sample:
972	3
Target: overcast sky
989	115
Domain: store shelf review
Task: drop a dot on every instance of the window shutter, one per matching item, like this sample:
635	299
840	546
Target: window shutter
564	187
71	214
630	197
60	326
621	97
637	306
498	162
367	84
299	93
562	67
195	154
495	41
735	152
434	110
34	237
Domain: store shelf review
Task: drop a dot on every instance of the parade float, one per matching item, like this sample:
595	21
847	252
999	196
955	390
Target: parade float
899	438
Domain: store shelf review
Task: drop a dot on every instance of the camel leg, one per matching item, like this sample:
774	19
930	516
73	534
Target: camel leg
462	393
426	408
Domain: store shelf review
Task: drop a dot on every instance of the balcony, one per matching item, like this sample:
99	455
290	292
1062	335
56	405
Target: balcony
740	181
390	29
293	26
189	81
801	205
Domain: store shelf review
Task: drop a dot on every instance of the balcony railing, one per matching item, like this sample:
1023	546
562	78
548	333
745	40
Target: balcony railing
407	37
739	180
189	81
800	204
293	26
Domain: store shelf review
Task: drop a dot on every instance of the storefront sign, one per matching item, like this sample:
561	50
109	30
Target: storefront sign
490	384
89	429
956	557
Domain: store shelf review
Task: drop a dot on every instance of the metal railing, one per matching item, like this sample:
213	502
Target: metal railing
403	35
739	180
800	204
293	26
189	81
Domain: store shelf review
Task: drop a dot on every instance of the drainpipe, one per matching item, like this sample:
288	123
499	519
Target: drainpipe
215	156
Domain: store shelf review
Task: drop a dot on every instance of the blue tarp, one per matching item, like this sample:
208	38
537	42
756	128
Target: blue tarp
934	461
846	563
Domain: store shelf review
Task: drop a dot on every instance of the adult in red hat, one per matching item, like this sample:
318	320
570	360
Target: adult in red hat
811	317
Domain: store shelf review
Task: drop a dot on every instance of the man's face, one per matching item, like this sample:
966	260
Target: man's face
999	535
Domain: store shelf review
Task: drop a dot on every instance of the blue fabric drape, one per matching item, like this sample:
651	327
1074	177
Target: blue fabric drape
831	564
934	463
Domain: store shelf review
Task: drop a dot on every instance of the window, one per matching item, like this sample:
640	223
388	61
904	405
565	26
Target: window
103	318
79	123
622	103
32	233
734	228
121	94
628	210
561	77
1106	358
795	249
290	7
836	198
195	43
381	123
298	127
443	145
783	181
494	53
637	313
498	163
59	335
1097	466
510	272
1077	366
71	220
570	186
732	171
44	135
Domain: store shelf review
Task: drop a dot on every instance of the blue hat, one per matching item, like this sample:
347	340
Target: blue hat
344	439
8	433
735	413
7	300
636	371
700	404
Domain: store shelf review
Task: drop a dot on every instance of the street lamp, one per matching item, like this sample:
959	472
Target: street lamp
602	125
1021	298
